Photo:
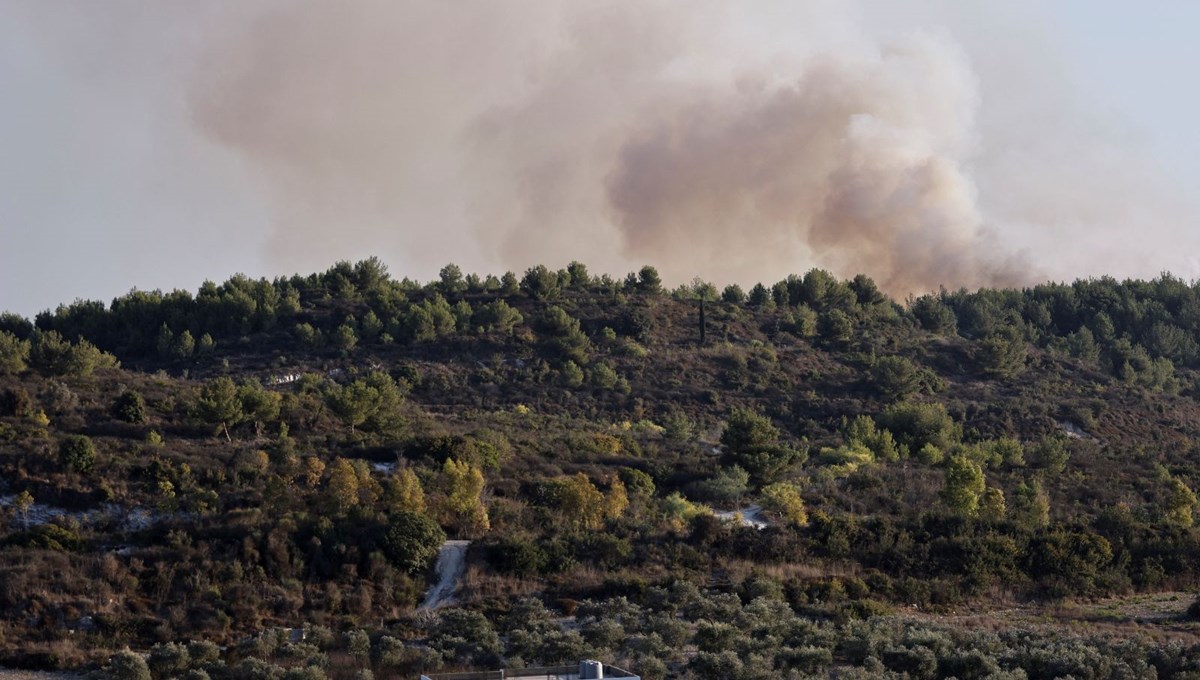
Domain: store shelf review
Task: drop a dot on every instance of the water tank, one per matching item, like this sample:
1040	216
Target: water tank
591	670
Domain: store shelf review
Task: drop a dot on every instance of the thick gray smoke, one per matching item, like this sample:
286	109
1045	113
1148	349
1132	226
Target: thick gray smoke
614	133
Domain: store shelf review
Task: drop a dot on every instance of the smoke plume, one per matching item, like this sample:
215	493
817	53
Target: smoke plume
614	133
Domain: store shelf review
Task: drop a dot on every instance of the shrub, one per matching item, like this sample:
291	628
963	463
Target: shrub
130	407
78	453
126	665
167	660
411	541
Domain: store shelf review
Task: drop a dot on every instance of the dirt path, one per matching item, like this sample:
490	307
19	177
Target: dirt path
451	563
750	516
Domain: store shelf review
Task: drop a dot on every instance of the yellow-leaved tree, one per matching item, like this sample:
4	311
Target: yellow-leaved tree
580	502
616	501
460	505
783	501
341	486
404	492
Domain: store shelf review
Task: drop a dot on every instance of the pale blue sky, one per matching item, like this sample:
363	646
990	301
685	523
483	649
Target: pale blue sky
106	184
1137	62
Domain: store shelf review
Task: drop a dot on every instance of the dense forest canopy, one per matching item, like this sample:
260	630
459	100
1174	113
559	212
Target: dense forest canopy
708	481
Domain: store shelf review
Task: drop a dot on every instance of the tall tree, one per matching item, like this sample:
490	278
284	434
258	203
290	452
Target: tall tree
14	353
341	486
219	404
461	502
964	486
752	441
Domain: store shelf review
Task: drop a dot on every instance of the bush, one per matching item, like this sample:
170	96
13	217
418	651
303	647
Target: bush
895	377
411	541
916	425
752	442
126	665
516	556
167	660
78	453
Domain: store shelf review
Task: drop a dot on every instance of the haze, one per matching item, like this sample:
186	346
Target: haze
924	143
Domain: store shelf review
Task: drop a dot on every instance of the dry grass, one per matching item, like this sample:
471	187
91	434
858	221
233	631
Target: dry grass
1153	617
480	584
740	570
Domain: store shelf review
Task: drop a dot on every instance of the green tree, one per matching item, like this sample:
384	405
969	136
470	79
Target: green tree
78	453
541	283
638	484
183	346
895	377
863	432
461	502
258	404
783	501
728	484
451	280
371	326
53	355
1050	455
964	486
351	403
752	442
219	404
564	336
866	292
49	352
127	665
733	294
649	281
341	486
207	345
1031	505
14	353
404	492
760	297
604	377
1180	503
1082	345
345	337
916	425
580	502
462	316
580	279
1001	355
168	659
992	505
804	322
835	327
165	340
130	407
372	402
411	541
496	315
509	284
933	315
571	374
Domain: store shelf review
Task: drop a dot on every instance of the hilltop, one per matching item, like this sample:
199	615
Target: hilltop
291	453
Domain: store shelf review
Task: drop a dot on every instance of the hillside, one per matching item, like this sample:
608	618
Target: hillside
290	454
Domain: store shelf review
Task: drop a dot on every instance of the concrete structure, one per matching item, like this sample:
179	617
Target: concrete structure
586	670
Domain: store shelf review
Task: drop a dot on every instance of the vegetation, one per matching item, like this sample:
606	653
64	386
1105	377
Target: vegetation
190	476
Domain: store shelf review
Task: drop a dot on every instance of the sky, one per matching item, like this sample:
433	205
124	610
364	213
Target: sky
925	142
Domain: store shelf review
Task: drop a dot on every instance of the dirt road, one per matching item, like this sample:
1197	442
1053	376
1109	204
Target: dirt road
451	563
